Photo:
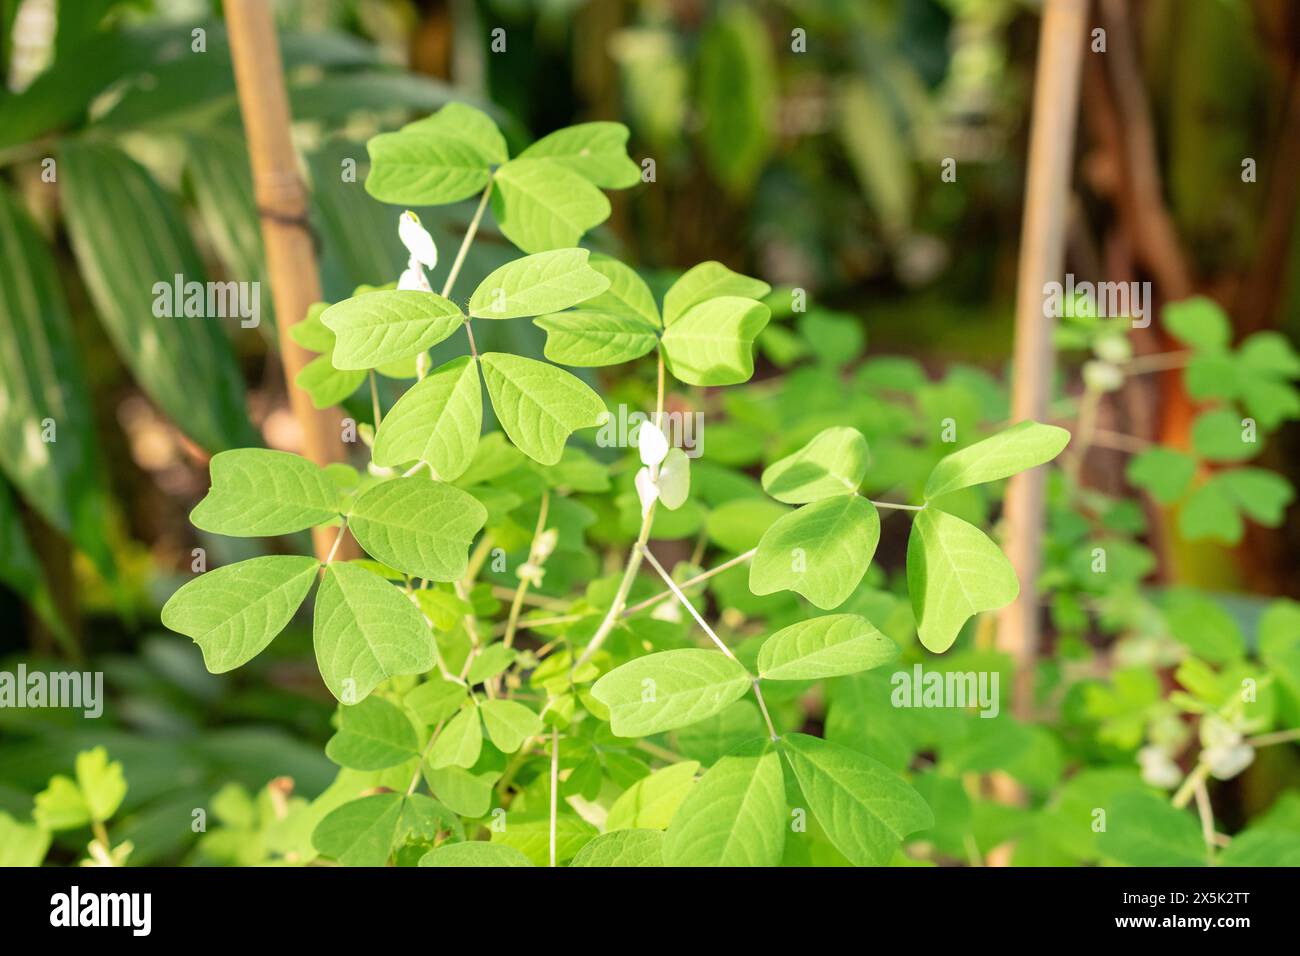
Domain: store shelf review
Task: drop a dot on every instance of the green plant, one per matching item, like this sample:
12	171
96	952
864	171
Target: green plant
435	690
89	800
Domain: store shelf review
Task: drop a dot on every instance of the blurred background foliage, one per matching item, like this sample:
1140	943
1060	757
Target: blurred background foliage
803	141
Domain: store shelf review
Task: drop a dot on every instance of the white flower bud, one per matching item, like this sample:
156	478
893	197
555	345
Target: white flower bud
1102	376
417	240
1158	768
646	490
652	443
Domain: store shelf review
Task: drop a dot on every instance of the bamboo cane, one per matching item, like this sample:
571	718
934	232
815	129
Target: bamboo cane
282	211
1042	259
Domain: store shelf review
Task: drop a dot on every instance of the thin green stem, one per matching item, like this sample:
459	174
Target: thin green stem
634	557
374	399
536	600
465	242
101	834
535	559
896	507
686	603
663	753
1195	778
338	539
1159	362
477	557
500	629
555	784
1276	737
699	619
1207	817
689	582
428	748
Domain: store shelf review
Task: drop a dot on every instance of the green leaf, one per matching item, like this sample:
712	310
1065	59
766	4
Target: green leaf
418	526
1220	436
627	295
865	809
437	421
1163	472
539	405
835	340
365	631
509	723
327	385
738	525
1144	830
1024	445
372	735
712	344
735	816
1204	626
435	700
360	832
833	463
1261	494
380	327
651	802
1211	512
417	167
708	280
44	379
22	845
669	689
1198	322
311	332
470	126
1259	846
675	479
623	848
130	241
467	793
491	662
1270	354
537	284
596	151
475	853
531	836
217	170
824	647
257	493
737	96
233	612
953	572
541	204
460	742
821	551
101	783
588	339
60	806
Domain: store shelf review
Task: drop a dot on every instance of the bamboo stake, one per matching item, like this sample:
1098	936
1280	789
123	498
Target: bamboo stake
1042	260
282	209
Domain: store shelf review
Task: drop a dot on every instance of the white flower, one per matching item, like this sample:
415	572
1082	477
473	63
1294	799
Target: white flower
646	490
1158	768
652	443
414	279
417	240
1226	762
